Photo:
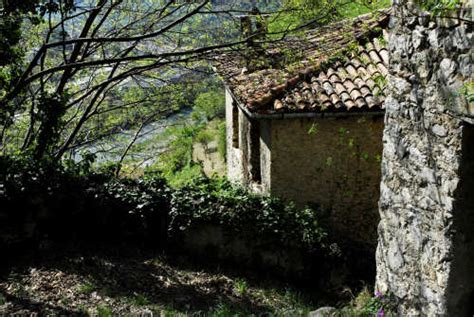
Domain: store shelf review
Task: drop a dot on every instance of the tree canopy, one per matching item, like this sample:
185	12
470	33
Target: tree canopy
73	72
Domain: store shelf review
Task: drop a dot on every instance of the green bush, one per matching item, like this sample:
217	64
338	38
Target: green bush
75	204
66	202
270	220
209	105
366	304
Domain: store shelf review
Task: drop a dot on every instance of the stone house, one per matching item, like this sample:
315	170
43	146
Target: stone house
305	120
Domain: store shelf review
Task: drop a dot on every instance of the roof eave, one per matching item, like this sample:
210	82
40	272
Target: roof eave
296	115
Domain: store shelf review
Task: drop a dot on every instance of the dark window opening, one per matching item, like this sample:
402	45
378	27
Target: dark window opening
255	169
235	126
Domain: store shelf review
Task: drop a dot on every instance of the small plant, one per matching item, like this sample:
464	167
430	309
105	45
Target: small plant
385	305
382	40
299	305
241	287
221	310
313	129
380	80
65	301
104	311
329	161
351	143
140	300
87	288
82	309
342	133
368	305
467	90
3	300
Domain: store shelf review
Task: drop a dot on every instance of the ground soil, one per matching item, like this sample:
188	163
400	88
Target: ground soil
133	281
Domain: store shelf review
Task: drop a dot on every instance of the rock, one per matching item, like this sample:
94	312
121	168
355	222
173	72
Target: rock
448	69
439	130
418	38
323	312
460	39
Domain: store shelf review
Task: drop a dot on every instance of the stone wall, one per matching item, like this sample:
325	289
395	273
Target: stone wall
333	162
233	153
425	254
242	155
213	164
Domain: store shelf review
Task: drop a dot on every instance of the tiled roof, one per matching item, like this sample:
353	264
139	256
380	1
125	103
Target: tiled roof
337	67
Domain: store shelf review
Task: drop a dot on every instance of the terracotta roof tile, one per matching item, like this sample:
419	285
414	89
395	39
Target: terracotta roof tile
338	69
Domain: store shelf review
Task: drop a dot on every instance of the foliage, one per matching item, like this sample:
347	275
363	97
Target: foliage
209	105
241	287
467	91
438	7
64	201
87	288
104	311
11	16
366	304
51	110
209	201
320	12
177	163
103	85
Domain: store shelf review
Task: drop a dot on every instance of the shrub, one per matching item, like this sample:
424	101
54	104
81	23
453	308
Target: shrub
209	105
75	204
43	200
217	201
367	304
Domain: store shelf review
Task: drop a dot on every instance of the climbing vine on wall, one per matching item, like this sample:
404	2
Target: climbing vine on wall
438	7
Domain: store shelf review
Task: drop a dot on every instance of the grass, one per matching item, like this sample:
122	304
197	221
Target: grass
87	288
140	300
241	287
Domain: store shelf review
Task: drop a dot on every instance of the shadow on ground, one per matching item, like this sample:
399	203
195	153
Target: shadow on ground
130	280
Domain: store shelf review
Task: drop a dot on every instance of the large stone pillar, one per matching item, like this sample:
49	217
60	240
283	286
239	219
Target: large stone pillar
425	254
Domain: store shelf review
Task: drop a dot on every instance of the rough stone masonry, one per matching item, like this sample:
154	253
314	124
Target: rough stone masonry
425	252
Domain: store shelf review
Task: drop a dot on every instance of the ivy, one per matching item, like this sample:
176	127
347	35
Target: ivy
438	7
264	219
80	202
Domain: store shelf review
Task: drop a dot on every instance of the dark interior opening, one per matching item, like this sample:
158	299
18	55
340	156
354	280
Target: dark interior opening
235	126
461	280
255	169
